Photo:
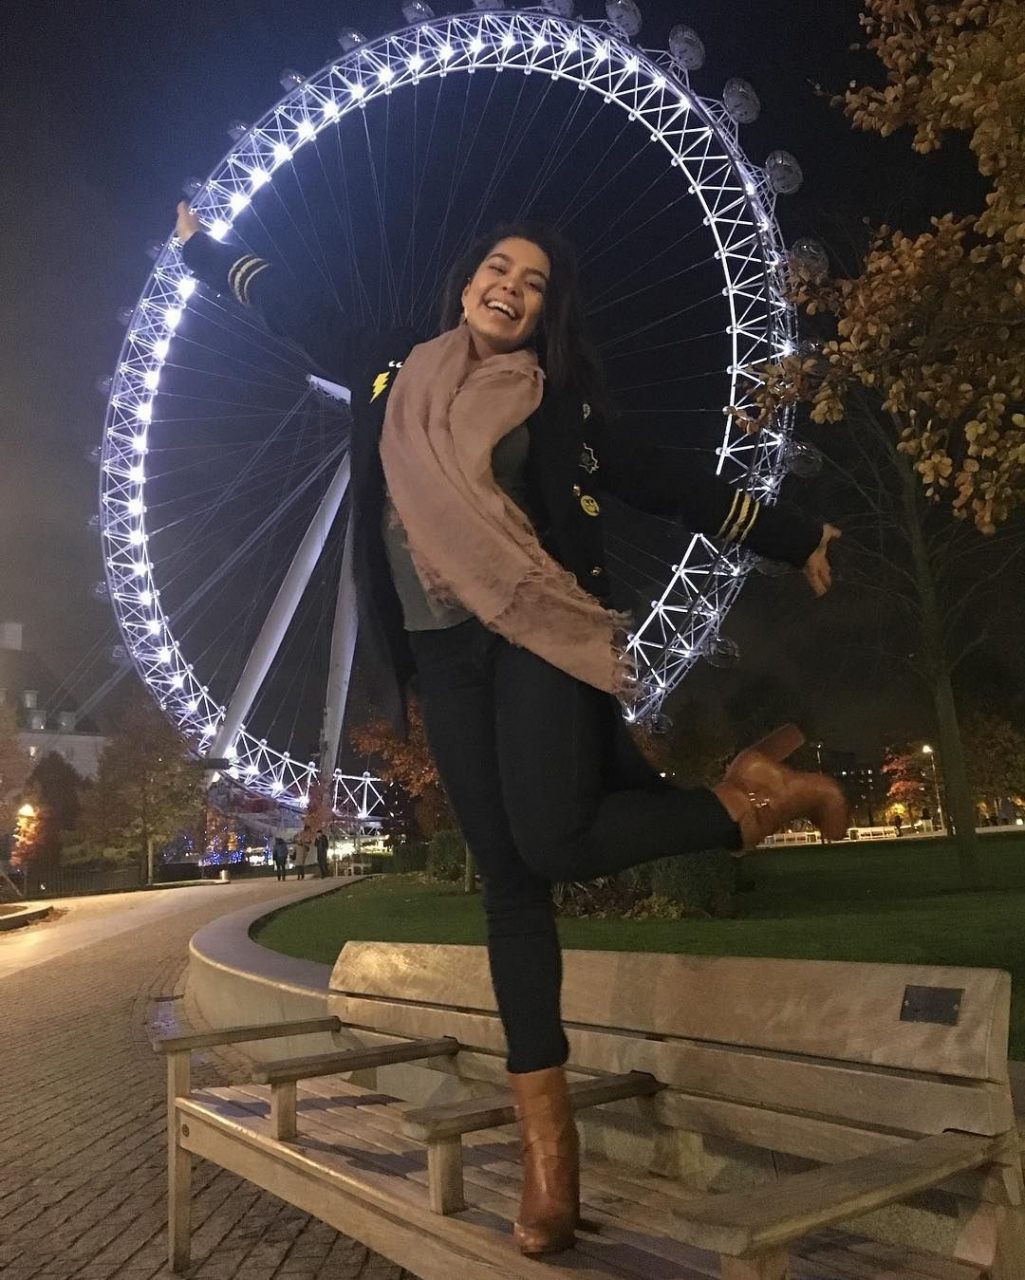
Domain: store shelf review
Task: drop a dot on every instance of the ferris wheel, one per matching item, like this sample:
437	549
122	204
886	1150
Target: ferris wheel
224	467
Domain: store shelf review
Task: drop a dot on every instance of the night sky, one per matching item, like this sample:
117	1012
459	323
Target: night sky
106	110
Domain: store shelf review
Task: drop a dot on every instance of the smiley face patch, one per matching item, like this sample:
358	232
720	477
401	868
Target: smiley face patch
589	505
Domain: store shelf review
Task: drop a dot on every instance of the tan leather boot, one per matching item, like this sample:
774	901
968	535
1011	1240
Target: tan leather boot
762	795
550	1202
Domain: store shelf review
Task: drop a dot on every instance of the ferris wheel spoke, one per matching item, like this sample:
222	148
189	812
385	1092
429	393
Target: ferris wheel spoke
661	320
360	285
282	611
385	271
408	263
555	155
675	246
352	309
596	248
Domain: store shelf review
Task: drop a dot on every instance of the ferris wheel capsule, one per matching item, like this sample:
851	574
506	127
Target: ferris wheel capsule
784	173
290	79
741	101
721	651
803	460
350	39
808	259
558	8
686	48
237	130
485	5
416	11
624	16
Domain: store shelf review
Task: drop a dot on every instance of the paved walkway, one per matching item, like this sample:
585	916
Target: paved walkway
82	1107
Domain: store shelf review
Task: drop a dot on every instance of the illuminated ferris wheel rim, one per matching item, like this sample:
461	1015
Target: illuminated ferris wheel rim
737	200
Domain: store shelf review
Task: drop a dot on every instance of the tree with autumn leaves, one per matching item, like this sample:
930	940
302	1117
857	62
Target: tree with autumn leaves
407	762
934	324
924	345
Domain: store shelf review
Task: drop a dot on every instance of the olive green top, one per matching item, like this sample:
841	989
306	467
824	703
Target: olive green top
419	611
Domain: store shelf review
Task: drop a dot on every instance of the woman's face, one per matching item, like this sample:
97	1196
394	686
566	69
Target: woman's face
505	297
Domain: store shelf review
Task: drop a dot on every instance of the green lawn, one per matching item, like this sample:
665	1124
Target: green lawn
893	902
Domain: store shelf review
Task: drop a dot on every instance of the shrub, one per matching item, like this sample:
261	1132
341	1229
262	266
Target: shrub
446	856
408	855
699	883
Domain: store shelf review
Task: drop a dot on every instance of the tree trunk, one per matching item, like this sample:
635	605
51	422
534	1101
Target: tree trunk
469	872
960	812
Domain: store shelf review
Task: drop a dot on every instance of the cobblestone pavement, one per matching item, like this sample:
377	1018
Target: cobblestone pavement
82	1121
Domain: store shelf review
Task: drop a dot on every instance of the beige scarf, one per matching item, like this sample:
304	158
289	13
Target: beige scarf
470	543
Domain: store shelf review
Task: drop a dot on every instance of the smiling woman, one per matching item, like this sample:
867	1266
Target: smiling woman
475	461
504	300
512	641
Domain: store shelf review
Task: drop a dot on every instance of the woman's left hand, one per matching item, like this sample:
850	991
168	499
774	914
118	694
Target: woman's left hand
816	568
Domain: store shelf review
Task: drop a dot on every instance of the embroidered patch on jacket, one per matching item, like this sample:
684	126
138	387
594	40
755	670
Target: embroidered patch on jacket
587	410
589	505
589	460
380	384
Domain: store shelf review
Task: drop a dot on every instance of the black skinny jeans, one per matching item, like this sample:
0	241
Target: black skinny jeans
546	786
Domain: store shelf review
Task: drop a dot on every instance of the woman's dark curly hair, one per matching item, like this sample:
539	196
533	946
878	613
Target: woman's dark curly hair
564	350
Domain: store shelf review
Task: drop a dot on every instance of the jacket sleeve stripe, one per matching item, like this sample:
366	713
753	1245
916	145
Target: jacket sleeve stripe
233	271
756	511
242	273
250	276
721	532
742	515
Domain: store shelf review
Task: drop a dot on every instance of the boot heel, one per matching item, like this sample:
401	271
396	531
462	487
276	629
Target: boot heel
782	742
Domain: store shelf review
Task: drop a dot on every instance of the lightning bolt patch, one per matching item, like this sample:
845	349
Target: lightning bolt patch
380	384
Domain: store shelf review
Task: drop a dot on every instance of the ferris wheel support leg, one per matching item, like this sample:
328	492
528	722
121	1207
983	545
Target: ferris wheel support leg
281	612
343	649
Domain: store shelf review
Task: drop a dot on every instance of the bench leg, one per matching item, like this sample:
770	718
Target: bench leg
993	1238
445	1175
282	1111
179	1168
770	1266
1009	1254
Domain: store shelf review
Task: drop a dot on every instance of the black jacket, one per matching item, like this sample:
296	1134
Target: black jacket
573	459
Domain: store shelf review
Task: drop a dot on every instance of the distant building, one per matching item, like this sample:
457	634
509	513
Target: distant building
47	719
865	785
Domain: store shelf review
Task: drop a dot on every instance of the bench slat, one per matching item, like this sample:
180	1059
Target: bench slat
428	1124
743	1223
382	1210
241	1034
842	1010
330	1064
617	1209
882	1098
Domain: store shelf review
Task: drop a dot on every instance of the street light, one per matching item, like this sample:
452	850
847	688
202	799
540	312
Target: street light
928	751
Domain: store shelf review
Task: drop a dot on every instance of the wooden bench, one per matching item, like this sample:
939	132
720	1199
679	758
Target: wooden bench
734	1114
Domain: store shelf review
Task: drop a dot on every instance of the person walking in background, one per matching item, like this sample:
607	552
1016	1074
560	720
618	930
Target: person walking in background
302	855
321	847
279	852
